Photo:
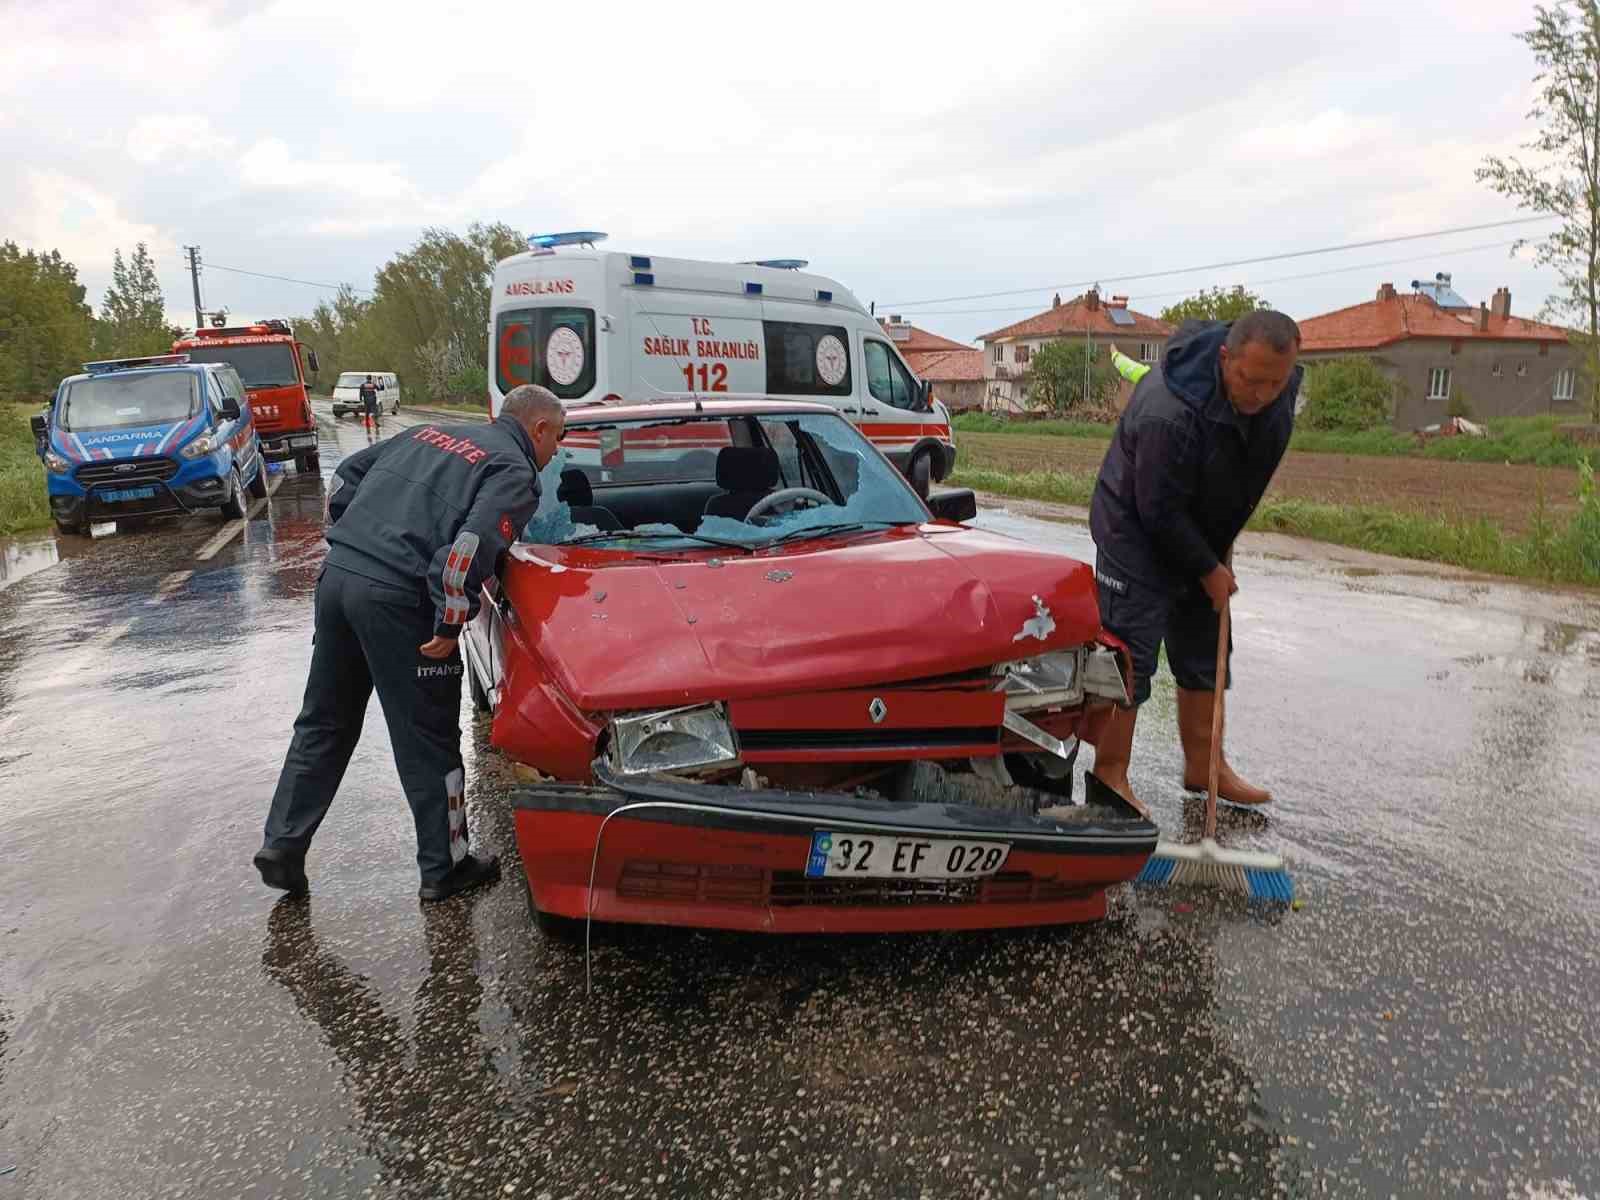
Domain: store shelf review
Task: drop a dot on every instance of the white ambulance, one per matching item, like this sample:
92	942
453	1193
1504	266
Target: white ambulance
591	325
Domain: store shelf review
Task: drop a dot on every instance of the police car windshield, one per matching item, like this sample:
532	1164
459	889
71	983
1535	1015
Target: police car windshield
259	366
139	398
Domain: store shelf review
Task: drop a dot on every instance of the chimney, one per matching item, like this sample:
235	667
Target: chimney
1500	306
1091	299
1386	292
1056	303
1482	323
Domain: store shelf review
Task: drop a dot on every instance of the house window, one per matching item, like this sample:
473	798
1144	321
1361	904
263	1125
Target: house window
999	352
1497	370
1148	351
1022	353
1564	381
1439	383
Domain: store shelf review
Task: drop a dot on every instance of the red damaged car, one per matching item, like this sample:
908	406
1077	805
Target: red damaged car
772	689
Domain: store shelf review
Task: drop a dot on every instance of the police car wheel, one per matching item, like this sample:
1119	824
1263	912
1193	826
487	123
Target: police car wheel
258	485
234	508
71	528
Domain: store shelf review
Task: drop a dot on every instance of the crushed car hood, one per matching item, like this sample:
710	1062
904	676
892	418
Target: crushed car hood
621	631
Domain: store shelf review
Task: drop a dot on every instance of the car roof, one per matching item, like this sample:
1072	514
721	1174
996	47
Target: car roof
187	368
668	408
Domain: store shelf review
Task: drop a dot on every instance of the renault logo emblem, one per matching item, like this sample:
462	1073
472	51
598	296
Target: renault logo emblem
877	710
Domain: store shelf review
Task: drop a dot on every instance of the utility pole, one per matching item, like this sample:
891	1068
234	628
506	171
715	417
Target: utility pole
194	278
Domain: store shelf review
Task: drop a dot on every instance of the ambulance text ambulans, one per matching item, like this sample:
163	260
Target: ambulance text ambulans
590	324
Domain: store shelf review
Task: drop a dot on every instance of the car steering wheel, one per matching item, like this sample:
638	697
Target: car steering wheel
785	496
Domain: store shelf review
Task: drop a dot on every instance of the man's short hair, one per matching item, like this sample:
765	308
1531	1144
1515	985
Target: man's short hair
529	403
1276	329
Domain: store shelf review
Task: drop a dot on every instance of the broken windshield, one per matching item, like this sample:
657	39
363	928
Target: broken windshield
749	480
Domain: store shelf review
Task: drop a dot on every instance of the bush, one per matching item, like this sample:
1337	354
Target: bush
470	385
1348	394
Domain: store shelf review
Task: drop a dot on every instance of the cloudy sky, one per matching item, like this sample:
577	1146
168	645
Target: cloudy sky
913	155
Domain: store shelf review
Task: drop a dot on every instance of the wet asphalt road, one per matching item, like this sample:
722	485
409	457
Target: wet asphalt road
1426	1025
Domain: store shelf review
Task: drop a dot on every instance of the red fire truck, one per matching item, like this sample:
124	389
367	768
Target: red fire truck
272	365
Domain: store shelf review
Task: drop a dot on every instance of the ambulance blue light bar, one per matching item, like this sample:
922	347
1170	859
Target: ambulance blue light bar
105	366
644	278
576	237
824	297
779	264
752	289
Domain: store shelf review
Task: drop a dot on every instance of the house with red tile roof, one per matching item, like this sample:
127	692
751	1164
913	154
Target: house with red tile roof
1450	357
954	369
1100	322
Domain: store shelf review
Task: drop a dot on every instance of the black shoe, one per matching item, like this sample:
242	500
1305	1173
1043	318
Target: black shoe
285	869
467	874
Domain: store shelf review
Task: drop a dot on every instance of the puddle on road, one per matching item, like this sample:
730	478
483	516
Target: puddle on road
24	556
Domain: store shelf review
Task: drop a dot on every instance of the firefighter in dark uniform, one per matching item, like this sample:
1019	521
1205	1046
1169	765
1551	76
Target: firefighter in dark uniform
369	402
1192	454
415	525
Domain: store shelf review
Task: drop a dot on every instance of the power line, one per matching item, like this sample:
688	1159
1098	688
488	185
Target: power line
1189	291
1217	266
332	287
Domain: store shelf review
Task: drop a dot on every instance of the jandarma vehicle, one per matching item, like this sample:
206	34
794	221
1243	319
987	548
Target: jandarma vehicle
149	437
772	689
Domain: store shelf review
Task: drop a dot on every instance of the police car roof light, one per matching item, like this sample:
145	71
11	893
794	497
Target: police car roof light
577	237
778	264
105	366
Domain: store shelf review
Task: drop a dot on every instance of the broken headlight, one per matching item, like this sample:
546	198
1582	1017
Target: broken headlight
675	739
1106	675
1046	680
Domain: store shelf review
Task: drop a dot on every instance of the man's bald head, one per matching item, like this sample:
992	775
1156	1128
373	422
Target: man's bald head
539	411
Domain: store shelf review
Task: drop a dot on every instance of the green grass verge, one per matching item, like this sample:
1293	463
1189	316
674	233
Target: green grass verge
1549	551
1535	441
23	503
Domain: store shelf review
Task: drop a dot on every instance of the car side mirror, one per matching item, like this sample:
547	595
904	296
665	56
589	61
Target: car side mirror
311	361
40	423
230	408
956	504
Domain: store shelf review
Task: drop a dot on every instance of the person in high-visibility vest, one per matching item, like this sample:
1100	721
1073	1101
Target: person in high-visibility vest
1129	369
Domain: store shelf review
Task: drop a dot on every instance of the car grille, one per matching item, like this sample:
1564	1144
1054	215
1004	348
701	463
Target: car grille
867	739
119	474
681	882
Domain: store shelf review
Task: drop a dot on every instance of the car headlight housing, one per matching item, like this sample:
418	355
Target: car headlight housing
55	463
695	738
203	445
1044	681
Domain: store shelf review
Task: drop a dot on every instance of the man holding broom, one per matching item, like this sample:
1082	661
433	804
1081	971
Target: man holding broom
1191	457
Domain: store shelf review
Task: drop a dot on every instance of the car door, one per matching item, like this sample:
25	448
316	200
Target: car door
890	417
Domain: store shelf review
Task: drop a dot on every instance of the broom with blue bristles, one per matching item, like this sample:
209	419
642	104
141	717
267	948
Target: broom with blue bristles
1256	874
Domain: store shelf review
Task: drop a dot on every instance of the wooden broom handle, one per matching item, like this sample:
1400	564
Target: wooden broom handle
1216	718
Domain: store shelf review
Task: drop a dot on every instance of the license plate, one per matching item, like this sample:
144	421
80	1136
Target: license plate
874	857
141	493
303	441
102	528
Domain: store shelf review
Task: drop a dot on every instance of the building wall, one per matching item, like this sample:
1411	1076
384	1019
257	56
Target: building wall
1472	363
959	395
1006	395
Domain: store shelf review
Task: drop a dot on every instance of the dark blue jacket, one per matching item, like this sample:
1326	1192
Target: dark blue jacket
433	509
1185	470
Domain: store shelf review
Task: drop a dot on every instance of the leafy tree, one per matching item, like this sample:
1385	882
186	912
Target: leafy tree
1347	393
1057	379
1565	182
133	315
1213	304
44	323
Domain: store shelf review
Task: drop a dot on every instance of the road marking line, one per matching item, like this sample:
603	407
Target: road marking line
169	585
234	528
112	633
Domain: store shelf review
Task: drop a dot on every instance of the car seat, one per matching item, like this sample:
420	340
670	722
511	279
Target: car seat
745	474
578	495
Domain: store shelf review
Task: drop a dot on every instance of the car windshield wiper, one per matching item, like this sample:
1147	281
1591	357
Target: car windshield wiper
836	527
628	535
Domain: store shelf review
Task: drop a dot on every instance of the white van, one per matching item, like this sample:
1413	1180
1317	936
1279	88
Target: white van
591	325
347	392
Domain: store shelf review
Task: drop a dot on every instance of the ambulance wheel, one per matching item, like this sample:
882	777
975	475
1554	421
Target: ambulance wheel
920	473
234	508
258	485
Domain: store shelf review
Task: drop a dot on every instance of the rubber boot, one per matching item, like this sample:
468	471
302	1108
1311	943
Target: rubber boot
1194	728
1114	751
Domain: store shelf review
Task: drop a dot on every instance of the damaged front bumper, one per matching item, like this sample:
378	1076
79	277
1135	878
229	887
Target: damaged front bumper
656	850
